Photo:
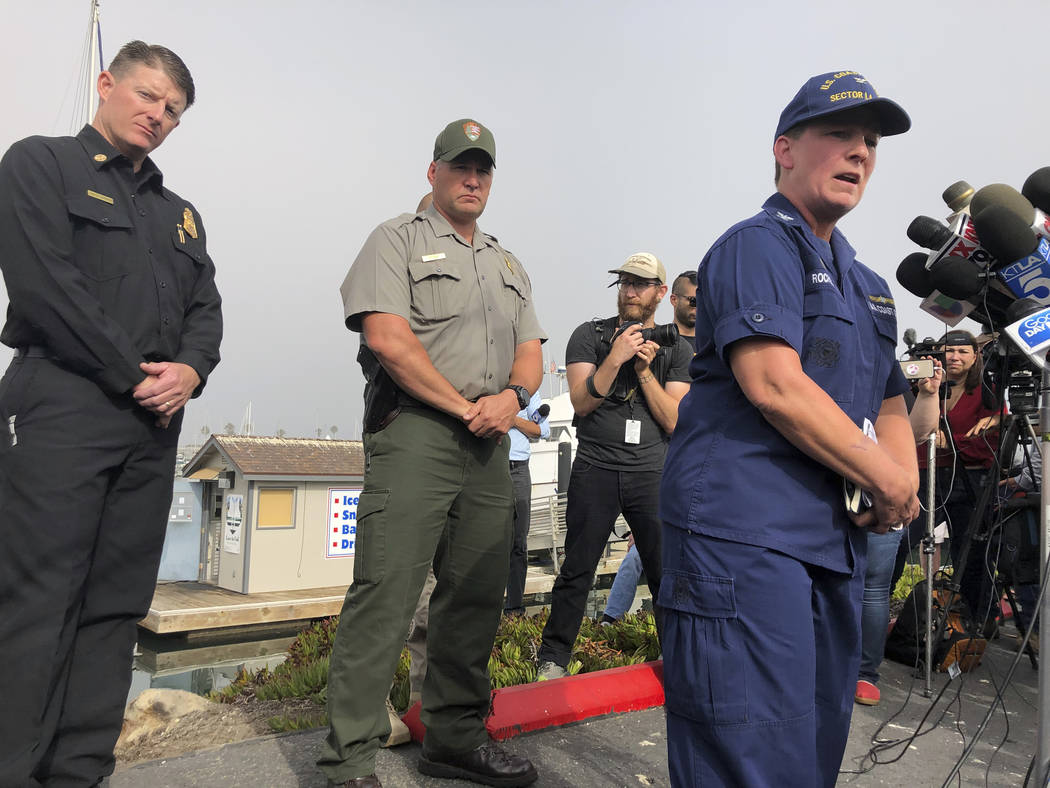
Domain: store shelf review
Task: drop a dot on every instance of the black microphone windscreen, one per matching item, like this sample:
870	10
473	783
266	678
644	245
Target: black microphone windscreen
1001	194
543	410
928	233
958	195
1037	189
909	336
1003	233
913	276
957	277
1022	308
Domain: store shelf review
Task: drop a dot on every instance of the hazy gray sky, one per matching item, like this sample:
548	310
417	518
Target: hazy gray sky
620	127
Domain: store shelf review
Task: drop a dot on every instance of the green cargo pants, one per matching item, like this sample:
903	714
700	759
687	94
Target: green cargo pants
433	493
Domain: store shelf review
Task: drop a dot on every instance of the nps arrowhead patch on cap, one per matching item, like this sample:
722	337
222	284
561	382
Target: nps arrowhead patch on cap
462	135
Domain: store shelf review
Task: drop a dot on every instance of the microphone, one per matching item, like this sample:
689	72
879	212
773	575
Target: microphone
909	337
957	196
1011	238
541	413
913	276
1007	196
959	278
1029	329
1037	189
928	232
959	240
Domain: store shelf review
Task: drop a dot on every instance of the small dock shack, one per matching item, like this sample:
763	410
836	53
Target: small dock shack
279	514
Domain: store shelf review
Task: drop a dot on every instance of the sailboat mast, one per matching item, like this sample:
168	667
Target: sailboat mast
95	65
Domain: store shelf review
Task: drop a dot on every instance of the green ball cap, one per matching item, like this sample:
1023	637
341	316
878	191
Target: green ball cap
460	136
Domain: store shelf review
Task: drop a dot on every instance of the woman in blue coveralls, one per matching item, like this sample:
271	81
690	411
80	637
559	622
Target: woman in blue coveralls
795	368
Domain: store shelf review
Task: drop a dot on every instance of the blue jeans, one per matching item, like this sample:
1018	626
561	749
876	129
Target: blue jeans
875	610
625	585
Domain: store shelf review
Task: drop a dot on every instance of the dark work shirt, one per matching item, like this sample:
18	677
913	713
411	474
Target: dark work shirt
104	267
601	433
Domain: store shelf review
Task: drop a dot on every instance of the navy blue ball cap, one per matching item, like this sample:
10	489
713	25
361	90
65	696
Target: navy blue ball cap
836	91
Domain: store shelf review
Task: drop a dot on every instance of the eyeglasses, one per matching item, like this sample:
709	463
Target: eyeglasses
638	285
691	300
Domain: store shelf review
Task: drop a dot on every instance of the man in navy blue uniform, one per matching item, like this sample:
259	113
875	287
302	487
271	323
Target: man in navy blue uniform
794	372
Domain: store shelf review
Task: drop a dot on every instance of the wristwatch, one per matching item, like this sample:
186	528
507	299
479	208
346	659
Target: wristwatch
522	394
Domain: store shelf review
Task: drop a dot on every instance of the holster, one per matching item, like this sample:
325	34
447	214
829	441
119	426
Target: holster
381	393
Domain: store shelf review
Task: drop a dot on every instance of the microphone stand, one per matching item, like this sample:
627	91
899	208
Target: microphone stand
1042	762
928	550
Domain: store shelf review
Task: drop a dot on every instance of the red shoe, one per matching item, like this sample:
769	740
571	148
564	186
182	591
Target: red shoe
867	693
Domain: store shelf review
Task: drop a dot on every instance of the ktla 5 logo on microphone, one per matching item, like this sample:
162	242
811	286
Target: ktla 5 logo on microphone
1036	329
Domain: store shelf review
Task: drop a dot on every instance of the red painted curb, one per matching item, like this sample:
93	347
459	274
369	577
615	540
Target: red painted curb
547	704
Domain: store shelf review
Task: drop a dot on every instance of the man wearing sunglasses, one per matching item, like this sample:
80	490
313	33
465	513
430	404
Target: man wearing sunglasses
683	301
625	389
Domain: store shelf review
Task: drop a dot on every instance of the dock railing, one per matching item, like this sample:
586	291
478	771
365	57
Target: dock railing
547	527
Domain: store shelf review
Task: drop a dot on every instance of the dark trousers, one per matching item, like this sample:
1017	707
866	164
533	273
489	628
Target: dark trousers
761	653
85	490
519	550
596	496
433	494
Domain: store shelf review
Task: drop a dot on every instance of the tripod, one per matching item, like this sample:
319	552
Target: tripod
1015	430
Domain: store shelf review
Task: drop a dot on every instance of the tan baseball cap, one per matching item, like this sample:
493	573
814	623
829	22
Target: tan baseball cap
462	135
644	266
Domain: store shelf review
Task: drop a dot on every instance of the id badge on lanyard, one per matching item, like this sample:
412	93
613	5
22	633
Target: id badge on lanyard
633	431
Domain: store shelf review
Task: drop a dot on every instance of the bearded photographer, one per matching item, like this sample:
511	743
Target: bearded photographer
626	376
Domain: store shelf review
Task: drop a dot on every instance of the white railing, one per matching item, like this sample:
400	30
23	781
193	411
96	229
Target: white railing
547	527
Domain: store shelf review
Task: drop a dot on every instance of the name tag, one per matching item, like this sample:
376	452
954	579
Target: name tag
429	258
98	196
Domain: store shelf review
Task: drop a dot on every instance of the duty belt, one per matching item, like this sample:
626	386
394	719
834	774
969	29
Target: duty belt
32	351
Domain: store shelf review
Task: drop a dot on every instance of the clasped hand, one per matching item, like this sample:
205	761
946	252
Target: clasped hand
492	416
168	386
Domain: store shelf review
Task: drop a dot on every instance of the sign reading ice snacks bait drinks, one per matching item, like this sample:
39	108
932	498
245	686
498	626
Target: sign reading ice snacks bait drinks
342	522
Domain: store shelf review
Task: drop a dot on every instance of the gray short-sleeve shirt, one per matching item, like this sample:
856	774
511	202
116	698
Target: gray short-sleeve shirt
470	306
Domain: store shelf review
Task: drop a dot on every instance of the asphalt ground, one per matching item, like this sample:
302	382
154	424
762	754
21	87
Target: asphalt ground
630	749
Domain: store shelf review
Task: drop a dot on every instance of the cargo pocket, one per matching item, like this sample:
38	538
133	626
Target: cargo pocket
15	387
705	680
370	550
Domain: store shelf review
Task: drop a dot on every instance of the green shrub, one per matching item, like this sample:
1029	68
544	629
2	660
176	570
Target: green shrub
912	575
512	661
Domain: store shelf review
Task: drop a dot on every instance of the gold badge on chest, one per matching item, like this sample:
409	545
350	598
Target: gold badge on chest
188	223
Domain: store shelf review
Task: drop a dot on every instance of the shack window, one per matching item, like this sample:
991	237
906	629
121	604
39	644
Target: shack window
276	507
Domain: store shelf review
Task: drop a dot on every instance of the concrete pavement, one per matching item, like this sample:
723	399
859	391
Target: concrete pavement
630	749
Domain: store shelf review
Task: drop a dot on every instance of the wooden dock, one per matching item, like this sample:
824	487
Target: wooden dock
189	607
186	608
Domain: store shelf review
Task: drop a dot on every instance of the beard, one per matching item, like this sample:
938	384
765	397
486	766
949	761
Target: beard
685	316
641	311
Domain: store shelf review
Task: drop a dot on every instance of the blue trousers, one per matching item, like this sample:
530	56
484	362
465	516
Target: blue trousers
760	663
875	611
625	585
